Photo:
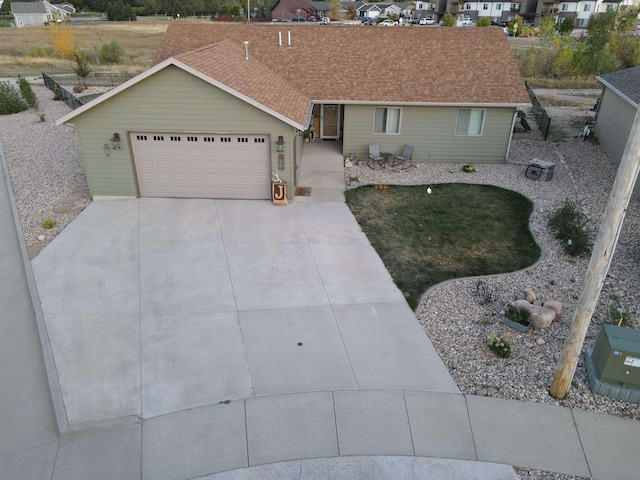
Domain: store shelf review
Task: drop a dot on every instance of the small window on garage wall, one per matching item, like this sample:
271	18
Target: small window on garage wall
386	120
470	121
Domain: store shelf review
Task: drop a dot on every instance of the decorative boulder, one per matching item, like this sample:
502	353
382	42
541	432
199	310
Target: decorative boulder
541	317
554	305
530	295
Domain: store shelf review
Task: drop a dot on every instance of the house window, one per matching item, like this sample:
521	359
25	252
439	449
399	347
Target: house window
469	121
420	6
564	7
485	6
467	6
498	6
386	120
583	22
587	8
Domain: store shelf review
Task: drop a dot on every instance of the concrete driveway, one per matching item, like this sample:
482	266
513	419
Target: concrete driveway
155	306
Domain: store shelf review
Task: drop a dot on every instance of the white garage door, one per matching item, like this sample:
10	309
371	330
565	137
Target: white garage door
202	165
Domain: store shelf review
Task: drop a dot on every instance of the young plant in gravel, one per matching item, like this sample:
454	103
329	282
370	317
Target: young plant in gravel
10	100
48	223
570	226
501	346
27	93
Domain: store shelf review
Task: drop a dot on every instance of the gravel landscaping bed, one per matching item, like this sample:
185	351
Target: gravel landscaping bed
458	321
45	167
48	181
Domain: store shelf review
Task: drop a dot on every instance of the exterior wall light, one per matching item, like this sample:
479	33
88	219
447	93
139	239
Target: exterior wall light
280	144
115	141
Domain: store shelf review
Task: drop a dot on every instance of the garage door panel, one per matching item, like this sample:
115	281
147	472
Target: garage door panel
202	165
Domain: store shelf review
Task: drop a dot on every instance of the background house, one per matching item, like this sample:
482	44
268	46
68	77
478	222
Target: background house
289	9
617	110
215	115
28	14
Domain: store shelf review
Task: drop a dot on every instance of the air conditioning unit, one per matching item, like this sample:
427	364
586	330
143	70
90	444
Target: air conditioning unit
540	170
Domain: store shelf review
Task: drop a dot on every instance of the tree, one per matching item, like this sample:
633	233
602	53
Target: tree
448	20
483	22
565	27
334	10
548	29
82	66
5	8
515	26
62	39
352	14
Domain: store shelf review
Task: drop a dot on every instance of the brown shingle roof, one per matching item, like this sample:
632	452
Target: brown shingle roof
372	64
225	62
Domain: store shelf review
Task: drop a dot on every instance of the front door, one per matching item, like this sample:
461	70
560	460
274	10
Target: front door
330	122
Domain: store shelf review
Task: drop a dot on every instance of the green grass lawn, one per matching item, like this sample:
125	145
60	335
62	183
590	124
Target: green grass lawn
458	230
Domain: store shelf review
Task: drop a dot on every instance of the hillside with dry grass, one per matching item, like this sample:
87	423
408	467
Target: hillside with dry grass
27	51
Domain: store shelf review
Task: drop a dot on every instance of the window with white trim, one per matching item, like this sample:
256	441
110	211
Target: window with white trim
565	7
469	121
583	22
386	120
498	6
587	8
485	6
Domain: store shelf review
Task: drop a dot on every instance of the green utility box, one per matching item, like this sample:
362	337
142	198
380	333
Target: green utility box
616	356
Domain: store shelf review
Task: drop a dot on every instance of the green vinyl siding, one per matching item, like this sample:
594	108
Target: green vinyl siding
169	101
431	130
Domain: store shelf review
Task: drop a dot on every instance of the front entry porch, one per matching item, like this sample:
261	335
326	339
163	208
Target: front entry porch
322	170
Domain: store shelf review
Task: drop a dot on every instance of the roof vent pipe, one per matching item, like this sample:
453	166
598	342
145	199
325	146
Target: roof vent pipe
289	39
246	50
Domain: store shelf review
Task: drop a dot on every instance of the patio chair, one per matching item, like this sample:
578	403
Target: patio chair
376	159
404	159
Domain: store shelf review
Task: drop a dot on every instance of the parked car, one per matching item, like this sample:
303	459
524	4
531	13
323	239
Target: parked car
388	23
325	21
298	19
426	21
371	21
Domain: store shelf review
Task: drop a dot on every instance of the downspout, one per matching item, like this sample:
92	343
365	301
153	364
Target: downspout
513	124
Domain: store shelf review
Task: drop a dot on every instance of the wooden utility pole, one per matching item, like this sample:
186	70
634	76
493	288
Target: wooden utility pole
603	249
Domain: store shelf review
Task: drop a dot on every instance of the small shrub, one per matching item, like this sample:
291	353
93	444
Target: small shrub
57	94
448	20
519	315
38	52
11	100
486	292
48	223
570	226
42	116
468	168
27	93
111	52
483	22
501	346
619	317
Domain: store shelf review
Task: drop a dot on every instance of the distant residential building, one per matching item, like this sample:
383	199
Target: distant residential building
30	14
